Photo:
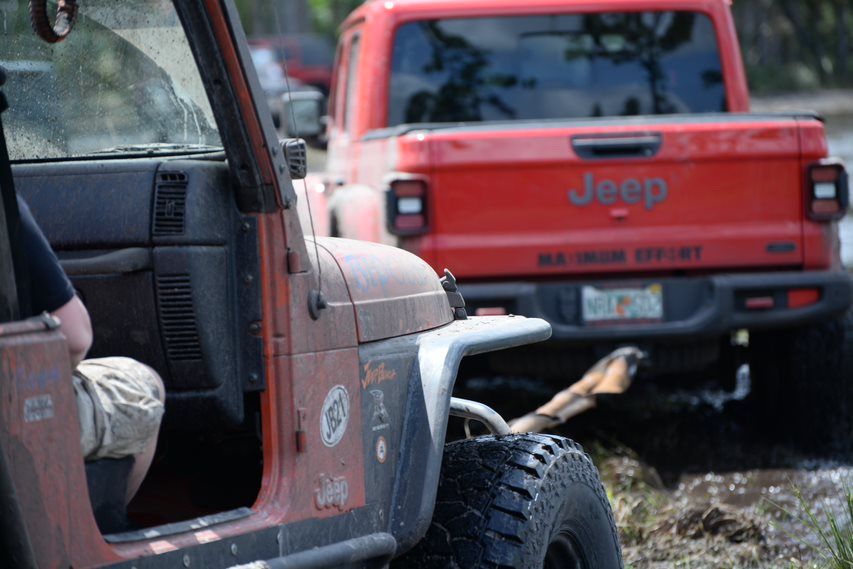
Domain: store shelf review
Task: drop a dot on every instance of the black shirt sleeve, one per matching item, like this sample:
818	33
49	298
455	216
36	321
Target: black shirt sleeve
50	288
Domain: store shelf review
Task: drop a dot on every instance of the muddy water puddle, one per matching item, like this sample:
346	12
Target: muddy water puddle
768	498
693	480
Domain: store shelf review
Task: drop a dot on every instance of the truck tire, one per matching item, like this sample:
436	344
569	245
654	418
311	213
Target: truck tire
334	229
802	383
564	363
543	362
518	501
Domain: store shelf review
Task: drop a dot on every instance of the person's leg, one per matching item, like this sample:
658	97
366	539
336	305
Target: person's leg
142	461
121	403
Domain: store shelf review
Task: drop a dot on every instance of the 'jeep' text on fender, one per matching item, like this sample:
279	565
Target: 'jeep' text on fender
650	192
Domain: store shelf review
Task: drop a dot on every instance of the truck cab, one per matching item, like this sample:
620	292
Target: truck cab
596	165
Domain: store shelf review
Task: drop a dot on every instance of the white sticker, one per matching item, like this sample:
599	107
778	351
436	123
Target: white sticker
38	408
380	412
334	416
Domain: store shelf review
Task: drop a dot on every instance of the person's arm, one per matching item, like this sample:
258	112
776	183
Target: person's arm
50	290
77	328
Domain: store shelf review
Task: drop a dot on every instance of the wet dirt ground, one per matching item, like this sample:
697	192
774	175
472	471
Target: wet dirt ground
693	480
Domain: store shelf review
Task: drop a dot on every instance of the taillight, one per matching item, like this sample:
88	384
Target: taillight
407	206
827	195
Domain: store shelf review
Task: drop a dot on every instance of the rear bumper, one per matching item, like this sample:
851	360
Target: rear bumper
694	307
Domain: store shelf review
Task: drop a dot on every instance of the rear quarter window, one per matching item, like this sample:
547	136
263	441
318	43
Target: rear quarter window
555	67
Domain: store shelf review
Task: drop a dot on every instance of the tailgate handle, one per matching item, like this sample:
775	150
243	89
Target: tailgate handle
608	147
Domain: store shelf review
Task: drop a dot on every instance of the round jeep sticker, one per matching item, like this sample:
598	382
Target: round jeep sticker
334	416
381	450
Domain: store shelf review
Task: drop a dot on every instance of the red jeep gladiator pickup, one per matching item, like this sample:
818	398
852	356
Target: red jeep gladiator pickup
594	163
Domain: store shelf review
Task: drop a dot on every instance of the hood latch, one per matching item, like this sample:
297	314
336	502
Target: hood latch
457	303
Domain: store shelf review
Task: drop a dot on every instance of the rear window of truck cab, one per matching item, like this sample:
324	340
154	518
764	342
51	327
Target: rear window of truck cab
555	67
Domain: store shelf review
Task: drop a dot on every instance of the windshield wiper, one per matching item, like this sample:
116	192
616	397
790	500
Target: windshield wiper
158	148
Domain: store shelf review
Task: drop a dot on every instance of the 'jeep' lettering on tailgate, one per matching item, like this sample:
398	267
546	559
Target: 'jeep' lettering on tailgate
650	192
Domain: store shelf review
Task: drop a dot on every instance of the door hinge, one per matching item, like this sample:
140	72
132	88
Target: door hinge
301	435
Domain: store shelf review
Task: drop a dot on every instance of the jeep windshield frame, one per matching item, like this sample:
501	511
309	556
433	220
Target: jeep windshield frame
124	83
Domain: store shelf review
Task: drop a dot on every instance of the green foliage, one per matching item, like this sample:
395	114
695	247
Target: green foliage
787	44
245	7
834	532
258	16
836	536
327	15
796	44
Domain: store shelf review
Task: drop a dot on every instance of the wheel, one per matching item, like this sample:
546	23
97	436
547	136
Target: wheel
520	501
802	383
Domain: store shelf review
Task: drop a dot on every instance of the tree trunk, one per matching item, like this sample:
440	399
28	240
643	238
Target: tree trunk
842	48
807	32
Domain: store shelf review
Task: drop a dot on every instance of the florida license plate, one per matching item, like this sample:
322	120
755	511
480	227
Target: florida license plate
622	304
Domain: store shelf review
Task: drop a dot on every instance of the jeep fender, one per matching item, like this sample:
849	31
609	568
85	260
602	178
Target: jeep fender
435	356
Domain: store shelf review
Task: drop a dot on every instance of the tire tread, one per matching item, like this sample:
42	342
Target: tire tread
500	528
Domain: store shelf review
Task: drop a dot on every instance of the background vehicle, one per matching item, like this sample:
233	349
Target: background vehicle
309	57
297	110
279	88
309	382
597	166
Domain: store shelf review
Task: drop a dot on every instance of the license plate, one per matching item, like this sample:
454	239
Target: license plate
622	304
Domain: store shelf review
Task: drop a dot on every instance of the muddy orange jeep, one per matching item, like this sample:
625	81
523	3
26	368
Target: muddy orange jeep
309	381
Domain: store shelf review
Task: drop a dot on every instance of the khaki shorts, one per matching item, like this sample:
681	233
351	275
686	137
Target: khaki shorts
118	404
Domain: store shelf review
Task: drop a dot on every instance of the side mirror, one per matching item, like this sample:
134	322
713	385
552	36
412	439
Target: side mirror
301	115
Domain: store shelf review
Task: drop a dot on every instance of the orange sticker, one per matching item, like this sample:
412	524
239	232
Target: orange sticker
159	547
376	375
207	536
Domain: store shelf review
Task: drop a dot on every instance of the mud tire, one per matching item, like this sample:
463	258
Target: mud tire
802	383
518	501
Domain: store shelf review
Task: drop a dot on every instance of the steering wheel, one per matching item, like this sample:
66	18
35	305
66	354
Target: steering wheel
66	15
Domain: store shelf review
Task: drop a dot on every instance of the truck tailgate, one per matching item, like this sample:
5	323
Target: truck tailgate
688	193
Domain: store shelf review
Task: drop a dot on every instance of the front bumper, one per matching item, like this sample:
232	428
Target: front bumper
694	307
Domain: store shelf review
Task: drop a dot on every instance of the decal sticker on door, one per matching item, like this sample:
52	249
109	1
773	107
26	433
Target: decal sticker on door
374	375
334	416
39	408
381	449
380	412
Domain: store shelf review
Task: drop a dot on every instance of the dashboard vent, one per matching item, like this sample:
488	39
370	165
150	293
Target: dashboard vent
170	203
177	317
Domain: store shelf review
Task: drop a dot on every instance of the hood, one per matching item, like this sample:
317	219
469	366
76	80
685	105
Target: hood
393	292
